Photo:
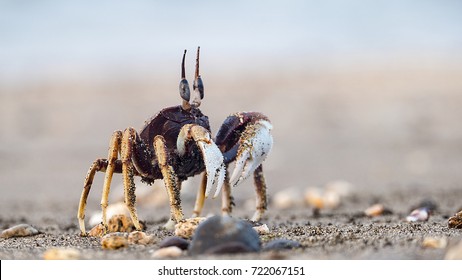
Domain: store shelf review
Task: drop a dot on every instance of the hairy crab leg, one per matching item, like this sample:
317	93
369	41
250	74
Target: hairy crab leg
128	172
98	165
260	188
213	158
170	181
227	198
114	148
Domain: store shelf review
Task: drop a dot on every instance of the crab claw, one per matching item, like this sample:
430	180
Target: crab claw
213	158
254	145
214	166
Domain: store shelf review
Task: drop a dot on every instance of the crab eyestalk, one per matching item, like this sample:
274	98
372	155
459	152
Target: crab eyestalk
198	86
185	92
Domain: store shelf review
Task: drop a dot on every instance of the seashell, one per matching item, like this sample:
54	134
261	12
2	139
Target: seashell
179	242
167	252
61	254
435	243
114	240
224	235
186	228
262	229
139	237
418	215
21	230
281	244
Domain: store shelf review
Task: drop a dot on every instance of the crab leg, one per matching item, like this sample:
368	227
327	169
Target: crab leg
213	158
128	172
254	145
170	180
114	148
98	165
260	188
200	197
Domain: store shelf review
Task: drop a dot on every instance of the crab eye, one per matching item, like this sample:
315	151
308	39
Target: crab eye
199	86
184	90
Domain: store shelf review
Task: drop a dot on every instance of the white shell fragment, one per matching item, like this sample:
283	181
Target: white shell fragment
418	215
255	145
263	229
186	228
167	252
61	254
21	230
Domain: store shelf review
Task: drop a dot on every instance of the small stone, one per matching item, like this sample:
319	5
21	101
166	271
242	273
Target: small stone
456	221
224	235
314	198
434	243
61	254
97	231
375	210
179	242
262	229
141	238
419	215
454	252
340	187
186	228
114	241
120	223
167	252
21	230
286	199
281	244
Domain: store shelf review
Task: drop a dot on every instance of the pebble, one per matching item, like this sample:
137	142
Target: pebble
314	198
262	229
21	230
455	221
120	223
287	198
419	215
114	240
435	243
61	254
97	231
167	252
281	244
454	252
375	210
139	237
179	242
186	228
218	235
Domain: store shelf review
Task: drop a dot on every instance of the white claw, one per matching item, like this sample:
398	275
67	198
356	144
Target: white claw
255	146
214	166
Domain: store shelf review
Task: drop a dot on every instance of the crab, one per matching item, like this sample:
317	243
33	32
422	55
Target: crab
177	144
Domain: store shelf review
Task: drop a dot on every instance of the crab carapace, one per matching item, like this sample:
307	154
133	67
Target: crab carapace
176	144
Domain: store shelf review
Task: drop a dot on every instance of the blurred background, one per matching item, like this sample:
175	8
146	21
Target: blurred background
364	91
